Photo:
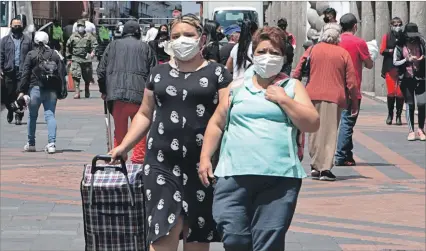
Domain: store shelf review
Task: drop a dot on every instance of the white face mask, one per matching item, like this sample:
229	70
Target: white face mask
267	65
80	29
185	48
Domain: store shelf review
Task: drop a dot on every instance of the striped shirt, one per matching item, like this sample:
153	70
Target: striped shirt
332	72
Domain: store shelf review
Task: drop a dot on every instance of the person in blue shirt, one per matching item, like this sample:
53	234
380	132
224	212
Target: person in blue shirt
259	174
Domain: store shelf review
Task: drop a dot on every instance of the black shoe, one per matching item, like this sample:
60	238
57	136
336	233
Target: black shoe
327	176
315	174
9	116
398	120
389	119
391	105
18	120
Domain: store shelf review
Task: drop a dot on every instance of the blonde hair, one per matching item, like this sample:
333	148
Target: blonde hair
331	33
190	19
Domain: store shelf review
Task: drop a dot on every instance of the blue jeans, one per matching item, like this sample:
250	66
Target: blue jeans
344	140
253	213
48	99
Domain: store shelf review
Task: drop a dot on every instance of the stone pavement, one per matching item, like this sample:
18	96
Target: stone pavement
377	205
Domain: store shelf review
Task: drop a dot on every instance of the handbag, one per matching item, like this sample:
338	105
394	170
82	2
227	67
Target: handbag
306	66
421	93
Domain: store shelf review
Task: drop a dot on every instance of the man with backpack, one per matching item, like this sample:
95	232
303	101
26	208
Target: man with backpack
81	49
43	79
290	46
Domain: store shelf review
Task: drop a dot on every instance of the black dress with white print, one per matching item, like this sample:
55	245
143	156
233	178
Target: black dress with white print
184	103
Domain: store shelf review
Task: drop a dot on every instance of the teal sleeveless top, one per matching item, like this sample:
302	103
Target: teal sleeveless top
259	138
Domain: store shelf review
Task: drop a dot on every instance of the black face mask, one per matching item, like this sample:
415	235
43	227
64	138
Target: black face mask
326	20
17	30
163	35
220	36
282	27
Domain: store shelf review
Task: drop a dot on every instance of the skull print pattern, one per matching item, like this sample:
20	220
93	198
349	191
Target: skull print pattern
184	103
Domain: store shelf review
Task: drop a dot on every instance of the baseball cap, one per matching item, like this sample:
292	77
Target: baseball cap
231	29
412	30
178	7
81	22
348	21
131	27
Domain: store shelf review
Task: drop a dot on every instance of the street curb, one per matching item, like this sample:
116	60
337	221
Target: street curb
381	99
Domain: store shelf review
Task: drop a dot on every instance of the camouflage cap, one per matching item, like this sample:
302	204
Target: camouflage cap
81	22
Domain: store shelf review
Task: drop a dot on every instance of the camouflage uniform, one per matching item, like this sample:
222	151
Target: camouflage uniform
78	47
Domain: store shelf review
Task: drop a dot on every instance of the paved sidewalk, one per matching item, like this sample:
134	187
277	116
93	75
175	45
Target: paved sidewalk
377	205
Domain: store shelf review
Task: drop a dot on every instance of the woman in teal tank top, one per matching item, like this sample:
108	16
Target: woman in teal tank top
259	175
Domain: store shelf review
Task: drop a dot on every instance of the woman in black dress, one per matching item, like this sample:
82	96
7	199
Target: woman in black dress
180	97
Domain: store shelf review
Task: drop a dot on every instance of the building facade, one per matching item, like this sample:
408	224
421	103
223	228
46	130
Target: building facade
146	12
373	17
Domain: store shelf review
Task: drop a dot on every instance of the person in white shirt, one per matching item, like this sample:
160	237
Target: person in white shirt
242	54
90	27
151	33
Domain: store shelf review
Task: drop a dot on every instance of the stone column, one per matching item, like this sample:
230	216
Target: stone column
268	14
418	15
354	10
382	26
296	19
400	9
367	20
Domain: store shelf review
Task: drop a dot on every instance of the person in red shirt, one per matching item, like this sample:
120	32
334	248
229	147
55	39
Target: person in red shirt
390	72
360	56
329	87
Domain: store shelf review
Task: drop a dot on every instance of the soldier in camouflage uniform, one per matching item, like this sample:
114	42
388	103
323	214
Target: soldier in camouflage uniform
81	48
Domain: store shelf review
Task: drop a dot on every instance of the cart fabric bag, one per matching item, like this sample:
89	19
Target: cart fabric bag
113	207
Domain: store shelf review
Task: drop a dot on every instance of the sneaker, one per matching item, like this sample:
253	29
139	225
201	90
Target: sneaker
50	148
422	135
327	176
315	174
29	148
411	136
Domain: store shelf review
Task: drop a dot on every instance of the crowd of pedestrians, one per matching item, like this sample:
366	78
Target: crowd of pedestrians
200	109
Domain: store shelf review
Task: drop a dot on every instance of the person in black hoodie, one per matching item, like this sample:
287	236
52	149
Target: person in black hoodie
122	74
42	90
390	72
158	44
409	57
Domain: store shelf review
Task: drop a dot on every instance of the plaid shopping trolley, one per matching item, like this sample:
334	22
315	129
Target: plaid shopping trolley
113	207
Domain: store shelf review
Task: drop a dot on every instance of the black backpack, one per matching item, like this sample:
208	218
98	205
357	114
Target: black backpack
47	72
